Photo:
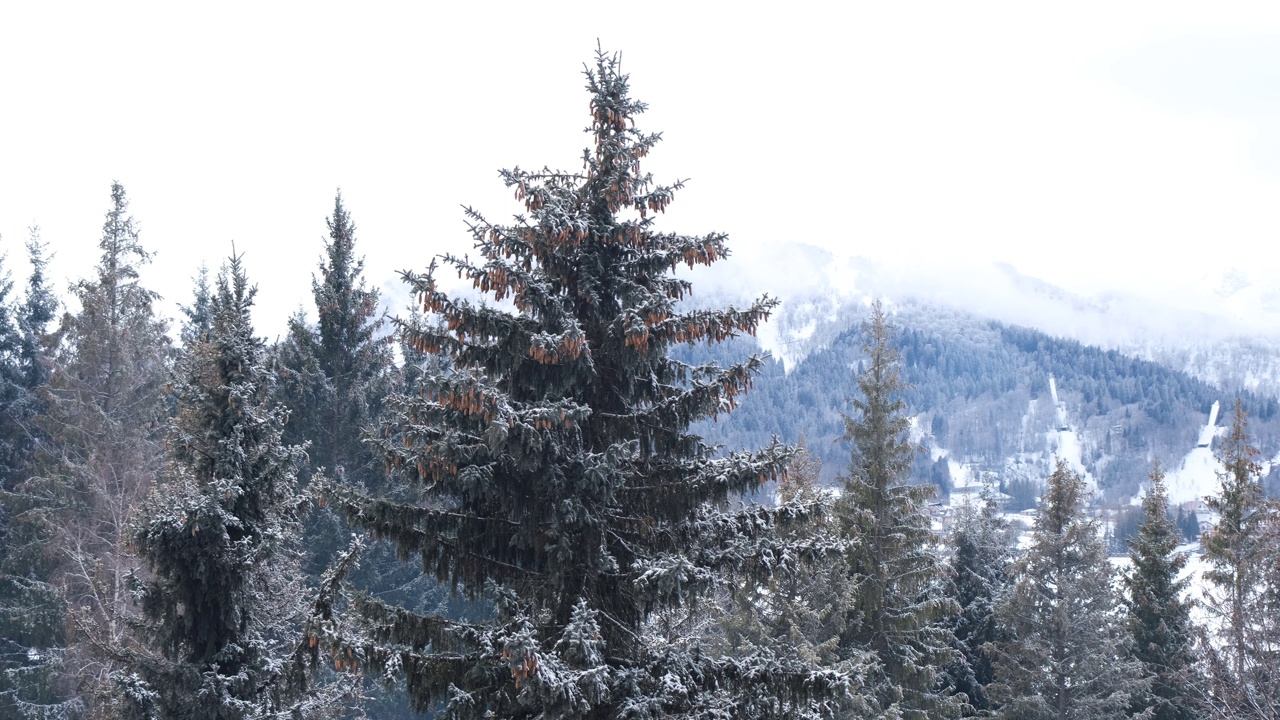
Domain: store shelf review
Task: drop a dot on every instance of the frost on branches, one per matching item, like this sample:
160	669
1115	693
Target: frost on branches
555	471
222	611
1064	649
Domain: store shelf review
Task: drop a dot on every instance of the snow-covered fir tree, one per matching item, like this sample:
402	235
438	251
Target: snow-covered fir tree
899	605
222	612
1065	652
1242	647
557	475
1159	619
334	375
982	548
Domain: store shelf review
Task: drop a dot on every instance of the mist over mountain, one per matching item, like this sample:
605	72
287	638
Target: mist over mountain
1008	372
1225	330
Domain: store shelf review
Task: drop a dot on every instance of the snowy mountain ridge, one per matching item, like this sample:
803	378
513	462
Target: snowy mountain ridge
1226	330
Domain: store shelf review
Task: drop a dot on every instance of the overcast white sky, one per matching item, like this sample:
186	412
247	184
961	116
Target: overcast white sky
1095	145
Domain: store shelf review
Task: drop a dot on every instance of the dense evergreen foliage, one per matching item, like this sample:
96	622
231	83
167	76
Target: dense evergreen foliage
1064	655
338	369
1159	617
897	609
982	547
802	611
335	374
218	536
557	474
32	616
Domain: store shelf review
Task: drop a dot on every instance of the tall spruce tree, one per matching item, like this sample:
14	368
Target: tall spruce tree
336	373
899	607
556	472
352	362
32	619
219	537
1159	619
982	545
1244	645
104	419
1065	652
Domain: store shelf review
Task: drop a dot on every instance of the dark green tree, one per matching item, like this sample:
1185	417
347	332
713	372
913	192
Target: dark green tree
336	374
221	608
39	308
982	545
343	364
555	472
900	605
13	390
1064	656
32	619
1159	619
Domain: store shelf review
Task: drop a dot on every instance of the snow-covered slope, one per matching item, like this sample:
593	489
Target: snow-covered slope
1224	330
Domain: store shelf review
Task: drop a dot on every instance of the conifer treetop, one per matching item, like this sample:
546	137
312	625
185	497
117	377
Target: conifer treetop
345	307
122	252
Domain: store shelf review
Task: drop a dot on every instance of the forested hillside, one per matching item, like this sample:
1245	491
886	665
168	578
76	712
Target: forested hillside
979	390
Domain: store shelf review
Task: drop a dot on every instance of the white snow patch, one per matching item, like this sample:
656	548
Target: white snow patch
1197	476
1065	444
962	475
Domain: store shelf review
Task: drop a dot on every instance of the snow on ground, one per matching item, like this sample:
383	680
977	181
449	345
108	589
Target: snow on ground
1197	476
1211	429
963	476
1066	444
